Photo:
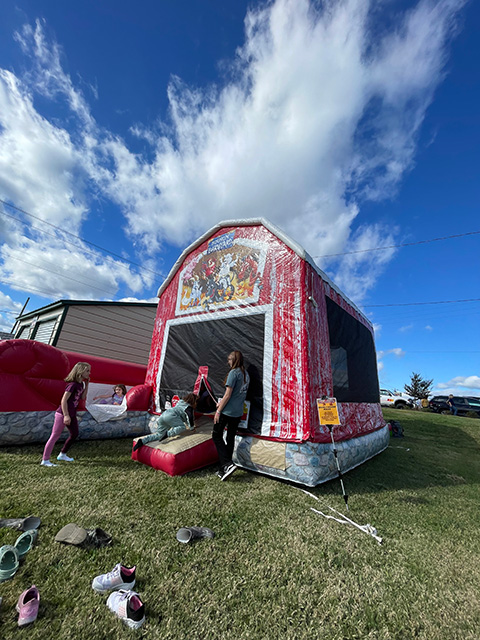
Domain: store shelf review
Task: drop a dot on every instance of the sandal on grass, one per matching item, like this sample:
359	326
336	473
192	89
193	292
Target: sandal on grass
25	542
8	562
21	524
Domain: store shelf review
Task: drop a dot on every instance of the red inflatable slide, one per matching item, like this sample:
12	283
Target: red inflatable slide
32	376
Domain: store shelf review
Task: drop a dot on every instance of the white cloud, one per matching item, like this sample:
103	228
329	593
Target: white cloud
38	161
428	328
315	110
49	269
8	312
44	170
396	351
130	299
318	114
406	328
459	383
47	75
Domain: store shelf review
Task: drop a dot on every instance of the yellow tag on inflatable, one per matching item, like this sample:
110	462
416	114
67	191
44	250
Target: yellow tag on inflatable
327	411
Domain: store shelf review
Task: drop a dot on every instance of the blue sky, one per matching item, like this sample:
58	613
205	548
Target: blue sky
133	127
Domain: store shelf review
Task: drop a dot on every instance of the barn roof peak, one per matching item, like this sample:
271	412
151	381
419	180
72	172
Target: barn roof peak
276	231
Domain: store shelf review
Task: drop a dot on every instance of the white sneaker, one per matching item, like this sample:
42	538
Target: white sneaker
119	577
128	606
47	463
64	457
227	472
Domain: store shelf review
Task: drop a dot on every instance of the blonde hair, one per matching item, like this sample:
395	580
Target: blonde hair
77	372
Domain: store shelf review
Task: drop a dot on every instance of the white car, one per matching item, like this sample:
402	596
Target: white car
389	399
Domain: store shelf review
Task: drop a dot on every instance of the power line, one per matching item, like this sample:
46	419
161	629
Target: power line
397	246
74	244
87	284
415	304
73	235
443	351
21	285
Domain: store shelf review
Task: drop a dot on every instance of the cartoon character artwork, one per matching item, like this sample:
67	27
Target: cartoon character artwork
196	297
229	272
225	273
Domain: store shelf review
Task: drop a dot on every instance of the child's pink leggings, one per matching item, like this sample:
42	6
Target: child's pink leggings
58	427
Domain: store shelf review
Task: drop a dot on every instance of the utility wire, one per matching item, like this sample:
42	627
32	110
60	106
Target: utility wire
74	244
415	304
443	351
397	246
28	288
73	235
87	284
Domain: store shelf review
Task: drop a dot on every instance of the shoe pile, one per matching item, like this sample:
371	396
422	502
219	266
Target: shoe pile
123	601
10	558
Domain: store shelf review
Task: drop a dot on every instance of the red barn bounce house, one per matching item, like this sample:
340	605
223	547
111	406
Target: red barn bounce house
246	285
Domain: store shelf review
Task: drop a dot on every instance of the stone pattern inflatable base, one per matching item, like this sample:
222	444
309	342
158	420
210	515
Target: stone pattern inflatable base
25	427
310	463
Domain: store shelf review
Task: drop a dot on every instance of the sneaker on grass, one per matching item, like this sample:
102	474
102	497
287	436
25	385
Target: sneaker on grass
47	463
228	470
64	457
128	607
27	606
119	577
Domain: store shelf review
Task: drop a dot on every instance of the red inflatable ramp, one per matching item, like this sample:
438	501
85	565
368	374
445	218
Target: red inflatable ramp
186	452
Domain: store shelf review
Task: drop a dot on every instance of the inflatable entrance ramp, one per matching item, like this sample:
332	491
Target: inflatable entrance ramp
183	453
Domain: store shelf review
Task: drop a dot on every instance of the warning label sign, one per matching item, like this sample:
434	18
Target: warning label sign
327	411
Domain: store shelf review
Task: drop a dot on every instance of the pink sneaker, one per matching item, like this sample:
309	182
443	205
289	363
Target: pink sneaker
27	606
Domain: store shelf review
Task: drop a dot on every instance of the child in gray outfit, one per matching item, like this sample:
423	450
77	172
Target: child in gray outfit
172	421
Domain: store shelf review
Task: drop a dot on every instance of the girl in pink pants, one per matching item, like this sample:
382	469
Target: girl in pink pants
66	414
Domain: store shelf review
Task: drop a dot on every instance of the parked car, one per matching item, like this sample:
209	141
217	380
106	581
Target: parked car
389	399
464	404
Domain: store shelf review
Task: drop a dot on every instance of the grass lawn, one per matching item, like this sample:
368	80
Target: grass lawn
275	569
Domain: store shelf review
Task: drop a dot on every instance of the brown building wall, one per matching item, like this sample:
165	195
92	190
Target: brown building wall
121	333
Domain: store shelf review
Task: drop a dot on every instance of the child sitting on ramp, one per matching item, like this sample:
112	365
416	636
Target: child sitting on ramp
172	421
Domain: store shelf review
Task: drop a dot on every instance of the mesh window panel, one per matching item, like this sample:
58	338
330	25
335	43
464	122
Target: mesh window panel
354	364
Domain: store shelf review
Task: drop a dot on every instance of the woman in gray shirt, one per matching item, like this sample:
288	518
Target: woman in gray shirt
229	412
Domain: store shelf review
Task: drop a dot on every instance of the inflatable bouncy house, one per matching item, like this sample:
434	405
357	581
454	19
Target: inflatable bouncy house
245	285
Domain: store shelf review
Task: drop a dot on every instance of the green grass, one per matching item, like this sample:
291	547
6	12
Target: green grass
275	569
